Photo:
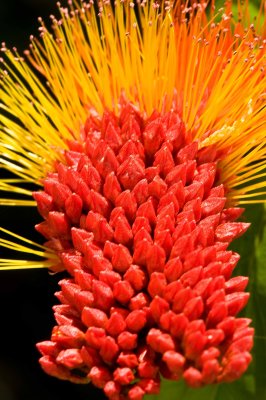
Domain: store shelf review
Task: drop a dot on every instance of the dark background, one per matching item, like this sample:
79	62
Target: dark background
27	297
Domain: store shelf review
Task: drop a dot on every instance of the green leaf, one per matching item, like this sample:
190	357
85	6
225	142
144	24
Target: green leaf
171	390
252	248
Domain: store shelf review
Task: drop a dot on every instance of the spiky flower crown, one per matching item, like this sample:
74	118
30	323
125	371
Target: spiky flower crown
147	134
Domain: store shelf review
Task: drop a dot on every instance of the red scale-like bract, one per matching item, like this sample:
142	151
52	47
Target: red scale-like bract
138	220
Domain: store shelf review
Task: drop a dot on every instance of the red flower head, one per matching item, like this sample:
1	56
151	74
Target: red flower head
144	144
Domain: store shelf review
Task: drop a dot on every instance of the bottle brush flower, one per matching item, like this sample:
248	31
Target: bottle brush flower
143	124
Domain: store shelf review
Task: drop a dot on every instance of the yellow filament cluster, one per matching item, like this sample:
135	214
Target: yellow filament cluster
26	246
155	55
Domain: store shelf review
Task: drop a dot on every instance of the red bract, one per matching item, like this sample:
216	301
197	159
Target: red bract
140	224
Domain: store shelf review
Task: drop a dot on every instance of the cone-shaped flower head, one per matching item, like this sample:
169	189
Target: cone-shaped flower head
146	134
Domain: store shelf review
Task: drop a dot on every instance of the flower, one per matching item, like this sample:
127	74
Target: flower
145	138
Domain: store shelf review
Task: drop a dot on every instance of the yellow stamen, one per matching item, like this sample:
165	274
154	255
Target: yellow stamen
11	186
158	58
17	202
9	264
19	247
